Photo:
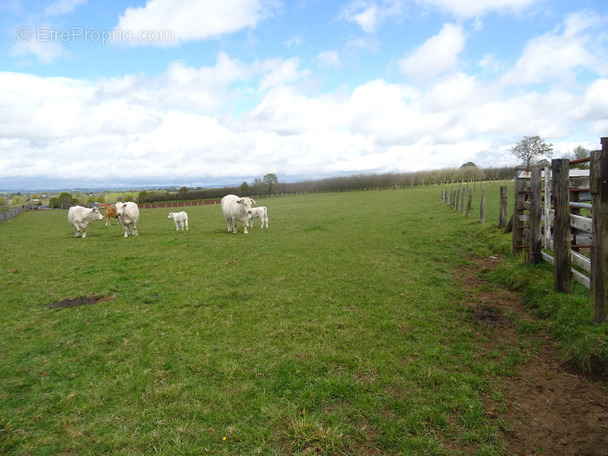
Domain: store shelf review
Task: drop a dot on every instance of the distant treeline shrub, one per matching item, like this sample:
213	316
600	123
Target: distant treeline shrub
334	184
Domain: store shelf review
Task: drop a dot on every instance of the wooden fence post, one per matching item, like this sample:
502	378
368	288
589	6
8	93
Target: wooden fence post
561	225
535	241
469	202
599	243
502	218
462	192
547	209
518	210
482	207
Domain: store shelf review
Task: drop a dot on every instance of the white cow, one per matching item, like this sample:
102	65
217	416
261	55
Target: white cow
236	209
128	215
180	219
259	212
79	217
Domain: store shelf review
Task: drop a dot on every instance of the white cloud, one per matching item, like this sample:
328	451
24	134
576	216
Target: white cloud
62	7
276	72
557	55
371	14
436	55
190	20
43	51
328	59
464	9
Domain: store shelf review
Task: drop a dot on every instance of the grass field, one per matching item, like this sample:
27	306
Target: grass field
342	329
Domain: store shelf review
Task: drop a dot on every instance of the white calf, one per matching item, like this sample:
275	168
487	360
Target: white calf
259	212
180	219
79	217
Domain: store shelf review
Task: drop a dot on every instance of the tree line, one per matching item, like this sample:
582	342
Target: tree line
270	184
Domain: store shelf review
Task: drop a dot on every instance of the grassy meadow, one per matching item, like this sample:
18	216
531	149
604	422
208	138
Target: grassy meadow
342	329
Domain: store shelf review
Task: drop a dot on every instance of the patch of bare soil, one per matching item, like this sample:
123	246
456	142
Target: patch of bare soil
80	301
550	409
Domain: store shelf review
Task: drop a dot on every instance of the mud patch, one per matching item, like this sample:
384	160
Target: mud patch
489	316
80	301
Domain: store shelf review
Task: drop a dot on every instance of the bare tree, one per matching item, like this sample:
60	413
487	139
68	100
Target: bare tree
531	149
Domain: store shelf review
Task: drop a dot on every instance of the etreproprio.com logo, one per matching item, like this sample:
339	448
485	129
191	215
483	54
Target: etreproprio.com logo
47	34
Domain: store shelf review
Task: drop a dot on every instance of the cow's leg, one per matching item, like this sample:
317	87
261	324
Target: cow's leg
186	224
134	230
75	230
125	228
234	225
176	226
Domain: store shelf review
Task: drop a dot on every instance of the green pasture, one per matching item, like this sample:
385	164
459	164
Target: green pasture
342	329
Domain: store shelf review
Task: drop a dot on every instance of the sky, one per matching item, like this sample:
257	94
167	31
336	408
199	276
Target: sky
133	94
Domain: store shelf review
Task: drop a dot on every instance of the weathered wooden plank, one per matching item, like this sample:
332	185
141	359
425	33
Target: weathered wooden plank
502	217
561	225
547	212
482	207
535	240
599	244
581	278
463	191
581	223
578	276
517	239
581	261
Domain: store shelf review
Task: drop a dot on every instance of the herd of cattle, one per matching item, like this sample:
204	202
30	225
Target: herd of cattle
235	209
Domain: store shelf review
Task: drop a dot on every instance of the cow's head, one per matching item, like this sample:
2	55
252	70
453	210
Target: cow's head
246	203
119	208
96	214
171	214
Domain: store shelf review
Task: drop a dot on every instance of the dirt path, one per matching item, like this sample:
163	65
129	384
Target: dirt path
550	409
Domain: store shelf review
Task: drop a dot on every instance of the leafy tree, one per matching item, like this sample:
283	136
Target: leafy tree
182	194
270	179
245	189
65	201
143	197
469	164
531	149
579	153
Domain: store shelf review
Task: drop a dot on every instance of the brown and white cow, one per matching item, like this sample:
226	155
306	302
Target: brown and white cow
110	212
